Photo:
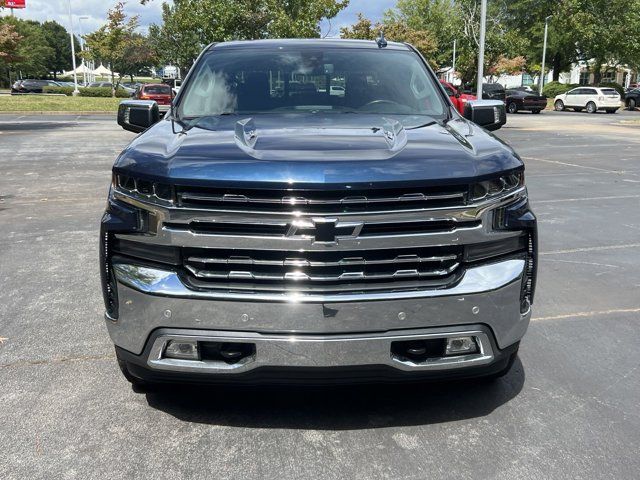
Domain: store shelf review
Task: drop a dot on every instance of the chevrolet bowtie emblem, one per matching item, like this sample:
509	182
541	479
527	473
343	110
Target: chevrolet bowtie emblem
324	230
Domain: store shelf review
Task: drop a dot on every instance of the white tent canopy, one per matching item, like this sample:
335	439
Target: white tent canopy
102	71
79	71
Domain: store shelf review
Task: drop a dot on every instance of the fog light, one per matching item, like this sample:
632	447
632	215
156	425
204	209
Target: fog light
185	349
461	346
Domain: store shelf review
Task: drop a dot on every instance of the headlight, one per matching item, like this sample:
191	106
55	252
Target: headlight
496	186
145	188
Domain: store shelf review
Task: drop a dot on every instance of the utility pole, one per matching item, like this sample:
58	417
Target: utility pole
83	63
483	27
73	54
453	64
544	52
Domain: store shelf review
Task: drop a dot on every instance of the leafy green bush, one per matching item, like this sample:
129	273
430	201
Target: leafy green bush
552	89
68	91
619	88
102	92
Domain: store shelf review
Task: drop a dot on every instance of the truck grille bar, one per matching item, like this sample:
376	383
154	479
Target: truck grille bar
281	269
310	201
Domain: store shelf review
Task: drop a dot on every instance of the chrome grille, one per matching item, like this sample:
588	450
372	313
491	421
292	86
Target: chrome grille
282	229
323	201
269	240
326	271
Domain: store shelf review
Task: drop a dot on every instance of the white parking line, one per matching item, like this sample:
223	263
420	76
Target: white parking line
587	314
591	249
557	162
612	197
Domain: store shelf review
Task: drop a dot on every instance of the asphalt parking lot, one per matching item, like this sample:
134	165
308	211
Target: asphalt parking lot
569	409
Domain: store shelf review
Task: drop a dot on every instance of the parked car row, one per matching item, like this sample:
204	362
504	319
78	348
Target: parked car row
515	100
587	98
32	85
590	99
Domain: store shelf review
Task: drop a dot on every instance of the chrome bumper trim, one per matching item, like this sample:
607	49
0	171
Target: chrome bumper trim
489	295
320	351
167	283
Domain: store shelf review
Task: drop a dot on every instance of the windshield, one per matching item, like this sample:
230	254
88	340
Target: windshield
310	80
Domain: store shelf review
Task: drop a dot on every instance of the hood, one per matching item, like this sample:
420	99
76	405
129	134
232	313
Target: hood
317	149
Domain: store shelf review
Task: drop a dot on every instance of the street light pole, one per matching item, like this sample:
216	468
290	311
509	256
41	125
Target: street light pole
84	65
453	64
544	51
73	53
483	27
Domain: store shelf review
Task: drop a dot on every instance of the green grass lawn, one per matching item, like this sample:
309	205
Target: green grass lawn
37	103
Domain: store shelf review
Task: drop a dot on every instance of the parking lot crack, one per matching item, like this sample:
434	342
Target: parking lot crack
57	360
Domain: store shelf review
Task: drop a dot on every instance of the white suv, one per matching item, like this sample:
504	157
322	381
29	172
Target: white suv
590	98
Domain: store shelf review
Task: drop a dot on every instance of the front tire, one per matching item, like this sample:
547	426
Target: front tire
631	104
536	111
512	107
591	107
559	106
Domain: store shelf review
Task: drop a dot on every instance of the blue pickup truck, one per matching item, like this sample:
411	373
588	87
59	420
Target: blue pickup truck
267	230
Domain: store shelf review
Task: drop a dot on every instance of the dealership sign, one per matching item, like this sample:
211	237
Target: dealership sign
15	3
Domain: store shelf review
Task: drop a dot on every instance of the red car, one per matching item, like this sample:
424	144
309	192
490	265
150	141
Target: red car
160	92
457	98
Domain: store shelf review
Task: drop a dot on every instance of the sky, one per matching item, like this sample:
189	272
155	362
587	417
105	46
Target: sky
96	10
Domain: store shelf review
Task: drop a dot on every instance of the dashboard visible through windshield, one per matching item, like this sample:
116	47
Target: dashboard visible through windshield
311	80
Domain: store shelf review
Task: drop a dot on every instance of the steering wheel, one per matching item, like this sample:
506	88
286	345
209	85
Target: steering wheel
381	102
389	107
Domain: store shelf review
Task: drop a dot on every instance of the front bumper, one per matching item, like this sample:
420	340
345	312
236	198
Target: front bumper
317	359
333	331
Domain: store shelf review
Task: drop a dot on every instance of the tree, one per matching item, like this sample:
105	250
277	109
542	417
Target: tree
190	25
395	30
25	47
138	56
440	17
606	32
9	43
58	39
527	18
439	22
507	66
110	42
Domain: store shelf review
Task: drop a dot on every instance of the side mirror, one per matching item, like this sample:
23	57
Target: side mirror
489	114
457	95
137	115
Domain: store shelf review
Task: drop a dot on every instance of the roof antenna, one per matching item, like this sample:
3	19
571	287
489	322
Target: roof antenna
381	41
